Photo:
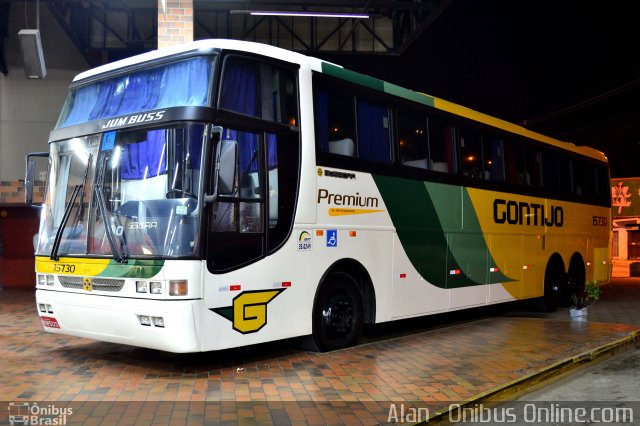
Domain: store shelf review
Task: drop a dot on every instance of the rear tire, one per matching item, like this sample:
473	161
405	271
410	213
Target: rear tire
555	287
337	313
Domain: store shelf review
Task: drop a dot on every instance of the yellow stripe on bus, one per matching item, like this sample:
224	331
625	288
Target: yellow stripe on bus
71	266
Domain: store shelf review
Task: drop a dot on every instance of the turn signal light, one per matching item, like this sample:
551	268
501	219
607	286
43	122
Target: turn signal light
178	288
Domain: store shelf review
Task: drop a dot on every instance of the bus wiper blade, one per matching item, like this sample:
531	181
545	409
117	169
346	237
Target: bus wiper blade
78	189
63	223
106	218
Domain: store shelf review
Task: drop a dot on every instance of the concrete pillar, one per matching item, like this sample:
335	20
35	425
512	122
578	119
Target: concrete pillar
175	22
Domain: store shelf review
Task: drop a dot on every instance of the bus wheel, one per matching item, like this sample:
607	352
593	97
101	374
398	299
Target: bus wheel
555	286
338	313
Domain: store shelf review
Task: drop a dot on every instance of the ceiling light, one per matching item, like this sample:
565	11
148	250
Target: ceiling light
301	14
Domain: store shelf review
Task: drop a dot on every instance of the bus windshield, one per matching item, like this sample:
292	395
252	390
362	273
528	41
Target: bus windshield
124	193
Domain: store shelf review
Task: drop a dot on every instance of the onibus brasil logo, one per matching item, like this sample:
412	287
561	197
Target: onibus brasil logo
248	313
30	413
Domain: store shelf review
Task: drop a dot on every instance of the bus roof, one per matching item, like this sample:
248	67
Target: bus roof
203	46
206	46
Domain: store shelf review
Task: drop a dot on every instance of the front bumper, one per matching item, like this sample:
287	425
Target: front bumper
116	319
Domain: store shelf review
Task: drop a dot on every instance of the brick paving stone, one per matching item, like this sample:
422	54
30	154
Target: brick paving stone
440	365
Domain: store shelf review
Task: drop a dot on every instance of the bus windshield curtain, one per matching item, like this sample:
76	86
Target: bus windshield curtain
241	93
145	159
373	132
184	83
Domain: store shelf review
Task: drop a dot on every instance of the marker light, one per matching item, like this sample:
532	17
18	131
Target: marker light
156	287
145	320
142	286
178	288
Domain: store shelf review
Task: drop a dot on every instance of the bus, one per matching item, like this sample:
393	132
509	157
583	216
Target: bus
226	193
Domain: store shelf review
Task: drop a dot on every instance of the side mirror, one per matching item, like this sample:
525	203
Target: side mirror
29	179
224	180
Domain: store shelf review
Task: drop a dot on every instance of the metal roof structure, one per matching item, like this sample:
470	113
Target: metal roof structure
108	30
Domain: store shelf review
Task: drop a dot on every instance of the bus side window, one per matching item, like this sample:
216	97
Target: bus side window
532	166
514	160
260	90
335	118
493	156
373	132
470	153
550	179
412	139
565	174
441	146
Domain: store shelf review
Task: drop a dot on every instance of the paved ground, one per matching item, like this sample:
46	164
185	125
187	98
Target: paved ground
405	363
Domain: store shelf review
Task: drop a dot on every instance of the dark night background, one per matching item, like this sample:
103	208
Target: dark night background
567	68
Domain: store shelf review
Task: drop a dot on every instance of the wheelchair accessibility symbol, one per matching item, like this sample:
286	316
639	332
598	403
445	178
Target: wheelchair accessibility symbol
332	238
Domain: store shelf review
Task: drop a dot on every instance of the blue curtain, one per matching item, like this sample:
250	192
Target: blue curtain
241	93
373	132
184	83
147	158
322	120
240	89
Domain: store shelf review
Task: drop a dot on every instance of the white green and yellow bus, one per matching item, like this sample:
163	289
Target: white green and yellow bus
225	193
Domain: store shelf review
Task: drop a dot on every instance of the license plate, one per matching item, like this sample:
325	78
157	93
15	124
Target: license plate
50	322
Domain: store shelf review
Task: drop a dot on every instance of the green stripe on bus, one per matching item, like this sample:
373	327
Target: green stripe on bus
467	243
374	83
134	268
352	76
437	254
401	92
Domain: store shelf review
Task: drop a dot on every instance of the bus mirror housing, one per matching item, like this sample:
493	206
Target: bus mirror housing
225	170
29	179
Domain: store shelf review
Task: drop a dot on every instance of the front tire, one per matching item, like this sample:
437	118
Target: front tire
337	313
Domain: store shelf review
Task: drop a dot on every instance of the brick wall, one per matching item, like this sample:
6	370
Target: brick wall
175	24
12	192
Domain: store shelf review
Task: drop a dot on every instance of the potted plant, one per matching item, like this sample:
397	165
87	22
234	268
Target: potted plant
583	297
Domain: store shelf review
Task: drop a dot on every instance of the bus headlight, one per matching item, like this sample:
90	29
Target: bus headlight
142	286
178	288
156	287
42	280
50	279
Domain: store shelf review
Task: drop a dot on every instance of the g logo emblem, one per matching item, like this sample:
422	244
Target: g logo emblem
249	310
86	284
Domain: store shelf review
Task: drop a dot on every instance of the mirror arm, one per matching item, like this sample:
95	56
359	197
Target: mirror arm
210	198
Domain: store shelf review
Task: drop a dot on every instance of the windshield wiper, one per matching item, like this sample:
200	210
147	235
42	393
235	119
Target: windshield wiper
78	189
106	217
63	224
